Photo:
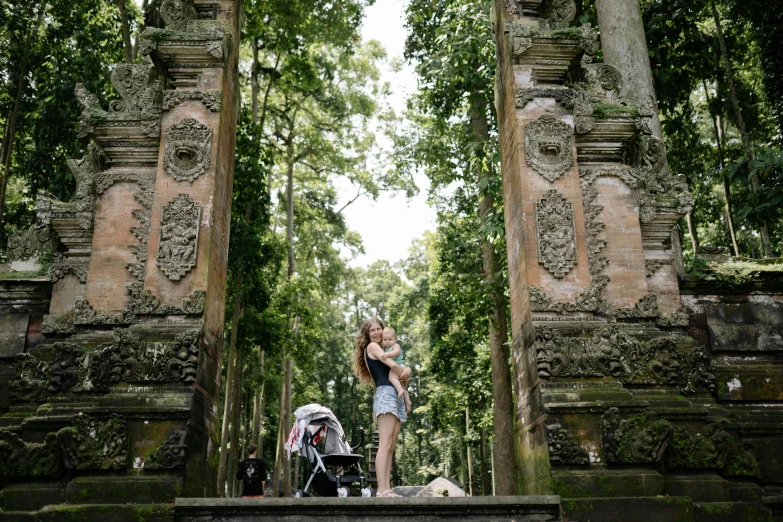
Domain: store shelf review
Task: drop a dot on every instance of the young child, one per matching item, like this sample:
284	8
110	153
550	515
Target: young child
393	351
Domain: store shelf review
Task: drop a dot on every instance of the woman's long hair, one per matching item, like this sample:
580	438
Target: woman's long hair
362	341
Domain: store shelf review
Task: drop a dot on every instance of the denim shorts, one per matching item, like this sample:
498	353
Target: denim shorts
386	401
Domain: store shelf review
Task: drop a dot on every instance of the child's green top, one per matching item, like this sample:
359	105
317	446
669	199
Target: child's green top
400	359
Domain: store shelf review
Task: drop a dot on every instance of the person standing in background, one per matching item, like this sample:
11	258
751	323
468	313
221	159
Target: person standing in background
252	472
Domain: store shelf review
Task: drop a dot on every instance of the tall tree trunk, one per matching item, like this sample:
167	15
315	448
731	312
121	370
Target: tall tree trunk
290	210
486	488
254	79
257	434
503	405
740	121
281	435
470	455
624	46
6	152
126	37
236	411
287	426
721	165
231	379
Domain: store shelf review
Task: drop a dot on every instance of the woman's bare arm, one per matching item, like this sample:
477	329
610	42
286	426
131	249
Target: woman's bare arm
374	351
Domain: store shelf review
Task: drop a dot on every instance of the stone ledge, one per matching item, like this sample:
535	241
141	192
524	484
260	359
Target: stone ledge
472	509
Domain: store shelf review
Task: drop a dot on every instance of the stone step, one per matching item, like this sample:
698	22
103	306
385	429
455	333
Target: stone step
465	509
93	513
731	512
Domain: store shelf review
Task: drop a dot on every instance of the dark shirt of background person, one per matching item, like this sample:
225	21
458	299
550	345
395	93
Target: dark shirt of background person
252	472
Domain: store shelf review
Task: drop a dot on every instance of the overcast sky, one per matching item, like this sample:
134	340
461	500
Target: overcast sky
389	225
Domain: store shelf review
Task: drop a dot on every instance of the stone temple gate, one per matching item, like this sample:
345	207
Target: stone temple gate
640	394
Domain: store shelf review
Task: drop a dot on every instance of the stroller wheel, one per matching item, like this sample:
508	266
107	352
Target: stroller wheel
297	494
342	492
366	492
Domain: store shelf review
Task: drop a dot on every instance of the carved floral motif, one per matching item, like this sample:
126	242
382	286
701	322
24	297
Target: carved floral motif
32	378
92	444
170	455
188	150
210	99
31	245
178	247
548	147
556	234
637	439
563	449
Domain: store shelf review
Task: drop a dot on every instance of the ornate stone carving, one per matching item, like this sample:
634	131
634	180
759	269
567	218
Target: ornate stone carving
521	36
20	459
197	33
676	318
196	303
178	246
612	352
67	371
171	455
92	444
556	234
139	89
548	147
591	300
177	14
651	266
210	99
91	110
557	14
593	228
84	314
659	181
126	359
563	449
646	308
562	96
188	150
30	249
32	378
639	439
63	266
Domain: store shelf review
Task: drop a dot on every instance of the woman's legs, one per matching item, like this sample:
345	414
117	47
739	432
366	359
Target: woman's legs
388	428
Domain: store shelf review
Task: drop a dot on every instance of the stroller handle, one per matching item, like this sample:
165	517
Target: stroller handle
361	440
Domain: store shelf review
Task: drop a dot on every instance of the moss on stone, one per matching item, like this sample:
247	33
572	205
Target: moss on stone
605	110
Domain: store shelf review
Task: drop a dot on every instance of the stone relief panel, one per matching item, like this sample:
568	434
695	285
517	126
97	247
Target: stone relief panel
87	444
647	438
188	149
611	352
549	147
556	234
126	359
178	246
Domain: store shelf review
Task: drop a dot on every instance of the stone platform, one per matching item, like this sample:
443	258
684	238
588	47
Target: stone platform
467	509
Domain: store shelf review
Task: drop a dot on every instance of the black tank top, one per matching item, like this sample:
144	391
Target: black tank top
378	370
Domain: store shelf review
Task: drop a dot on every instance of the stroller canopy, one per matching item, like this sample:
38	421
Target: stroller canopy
311	418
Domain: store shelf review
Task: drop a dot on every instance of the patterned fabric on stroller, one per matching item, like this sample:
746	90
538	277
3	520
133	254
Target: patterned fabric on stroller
334	466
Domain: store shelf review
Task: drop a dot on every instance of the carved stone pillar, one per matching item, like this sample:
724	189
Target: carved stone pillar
596	319
127	361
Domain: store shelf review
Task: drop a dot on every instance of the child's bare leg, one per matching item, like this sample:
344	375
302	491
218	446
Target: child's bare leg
407	397
395	381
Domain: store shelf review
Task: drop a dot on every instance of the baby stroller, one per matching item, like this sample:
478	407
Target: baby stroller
318	436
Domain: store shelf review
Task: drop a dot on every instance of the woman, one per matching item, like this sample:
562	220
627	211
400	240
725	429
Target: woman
388	409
